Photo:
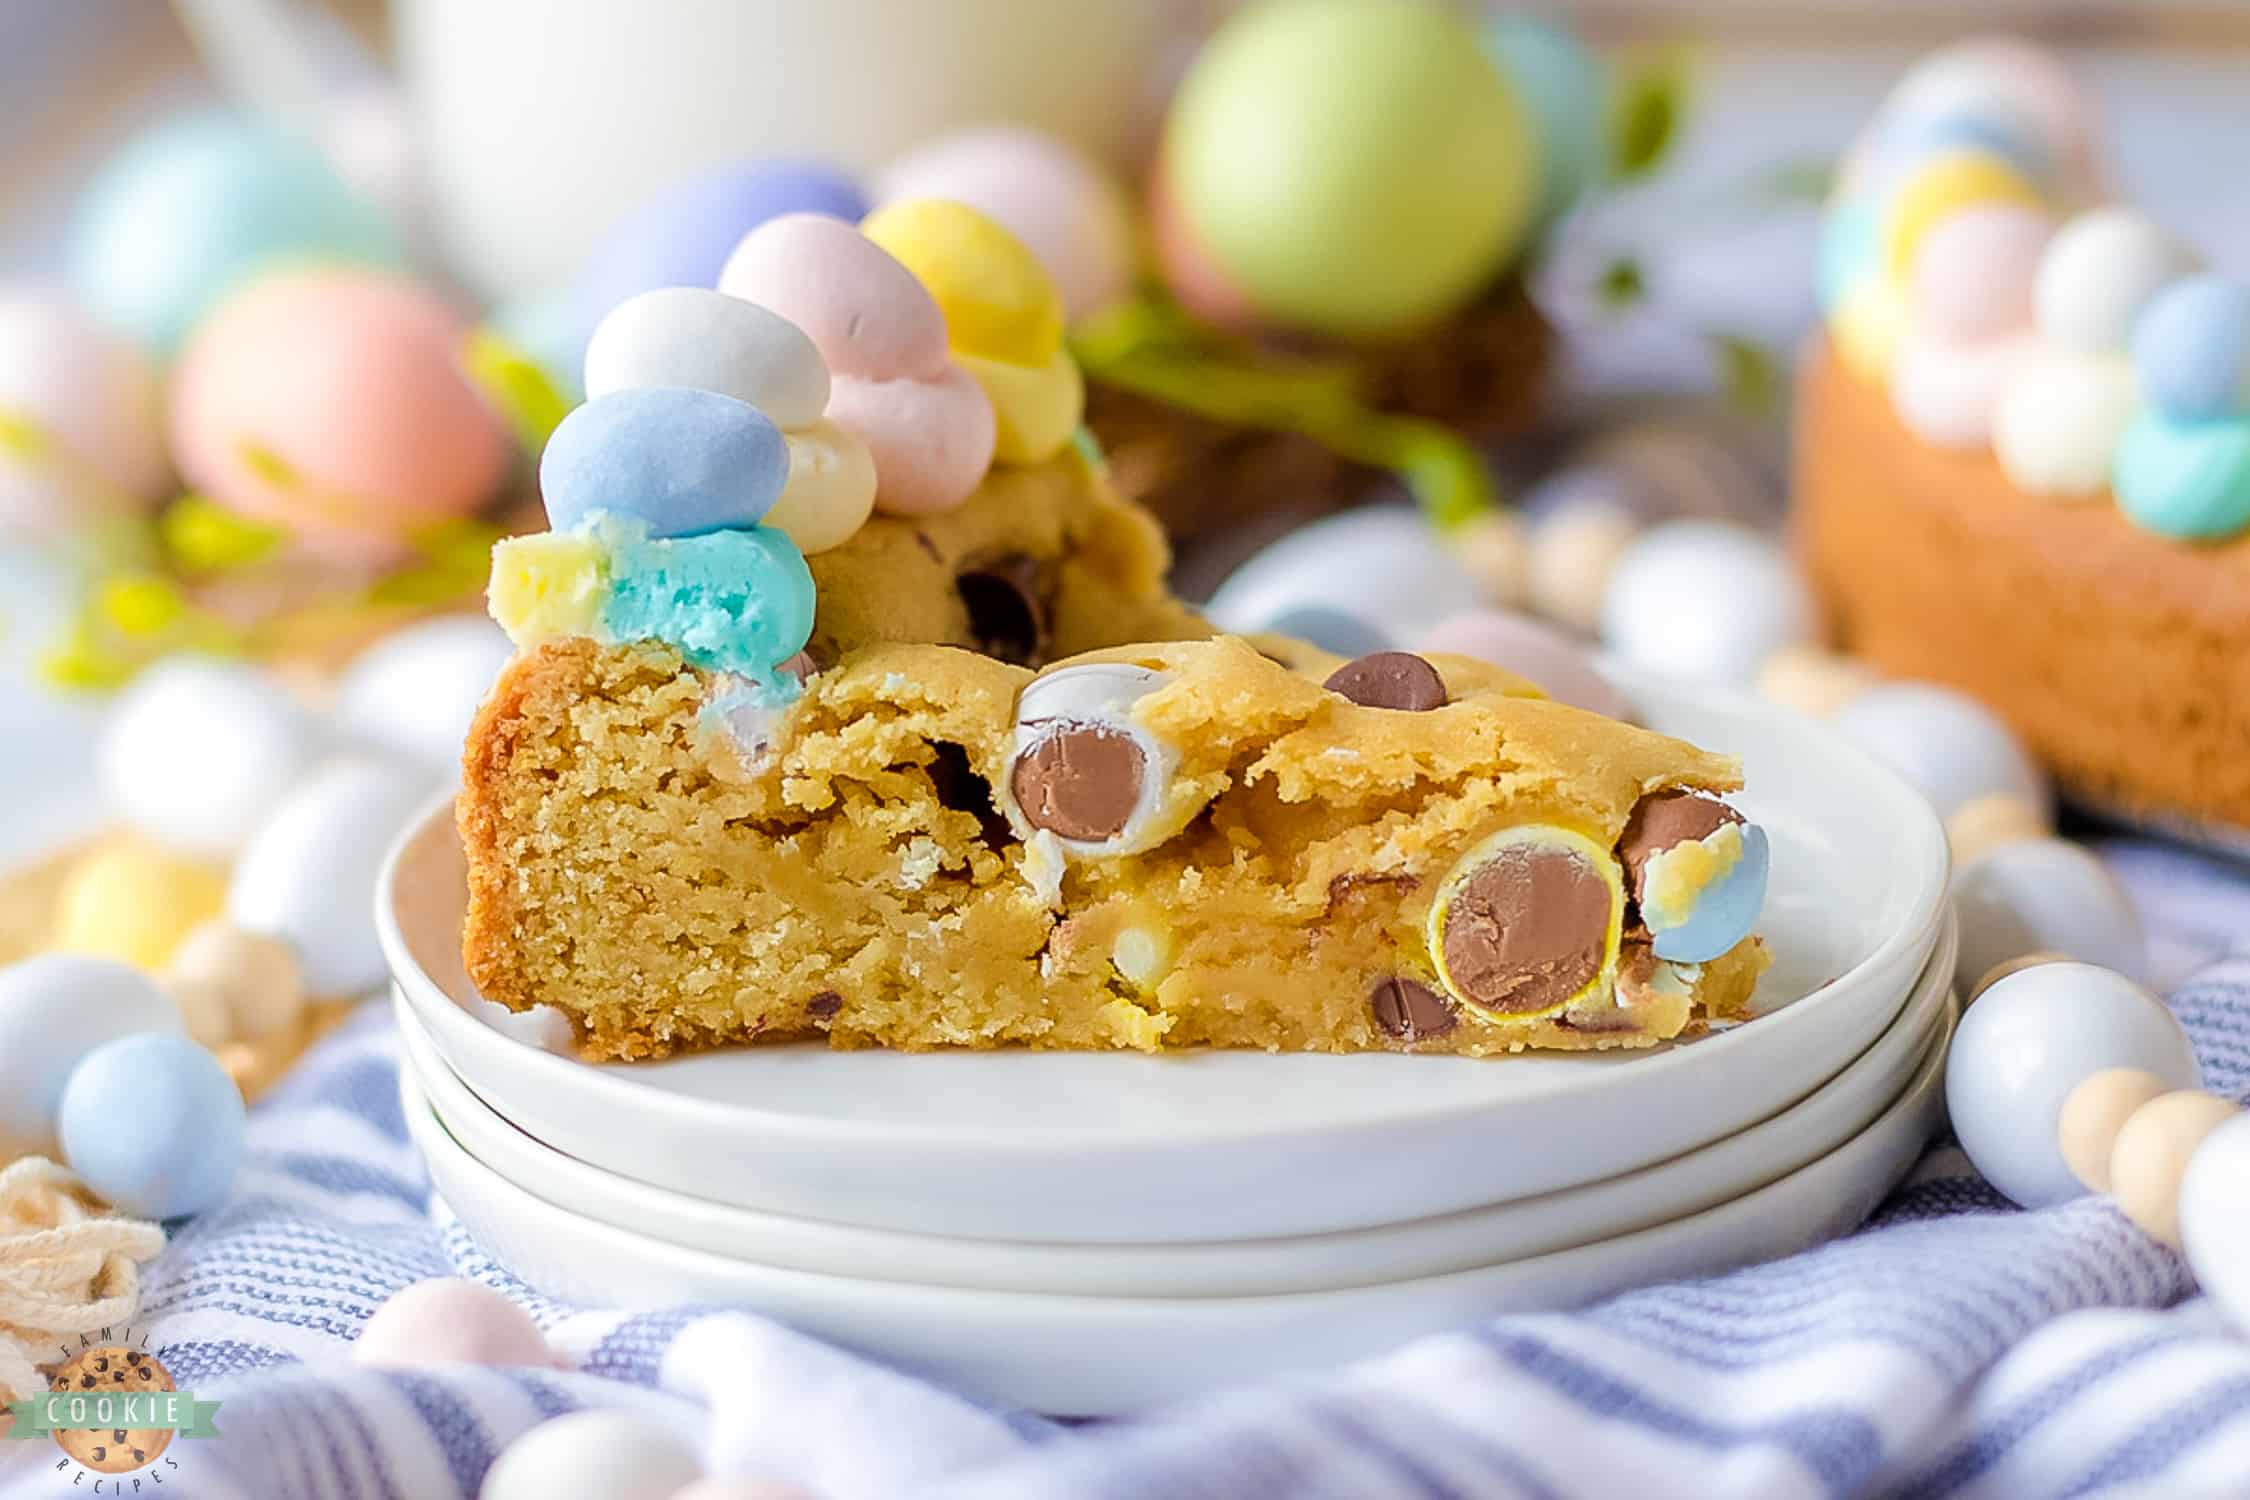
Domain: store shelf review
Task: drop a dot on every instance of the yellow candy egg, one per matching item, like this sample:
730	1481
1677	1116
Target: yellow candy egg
134	902
831	488
1034	410
1948	183
999	303
1867	325
547	586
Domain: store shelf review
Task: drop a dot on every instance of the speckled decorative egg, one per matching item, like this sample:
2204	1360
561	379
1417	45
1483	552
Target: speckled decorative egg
1973	271
2215	1217
413	693
1382	563
594	1455
1704	601
154	1125
1063	206
55	1009
1530	648
195	750
2027	1044
2100	270
307	877
1948	746
1564	87
1354	118
194	206
2191	349
447	1321
333	402
81	423
2185	480
2044	895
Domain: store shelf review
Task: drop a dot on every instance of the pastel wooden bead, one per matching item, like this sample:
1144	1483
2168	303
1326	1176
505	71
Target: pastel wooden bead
1812	679
449	1321
1496	549
2044	895
1991	820
2059	420
2100	270
831	488
869	316
2151	1156
1572	552
134	901
1949	747
2016	965
594	1455
1973	270
2094	1114
706	340
255	979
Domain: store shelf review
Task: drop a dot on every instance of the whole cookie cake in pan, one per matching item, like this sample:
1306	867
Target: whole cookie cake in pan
968	777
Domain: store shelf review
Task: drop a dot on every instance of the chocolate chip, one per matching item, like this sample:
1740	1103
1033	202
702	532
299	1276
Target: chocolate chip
1662	820
1409	1010
824	1004
1389	679
1082	781
922	540
1528	930
1340	886
1007	608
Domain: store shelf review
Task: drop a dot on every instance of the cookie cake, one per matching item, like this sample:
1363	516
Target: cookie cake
850	704
2023	443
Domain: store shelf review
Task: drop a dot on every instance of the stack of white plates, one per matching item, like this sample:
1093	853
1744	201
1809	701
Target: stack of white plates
1093	1233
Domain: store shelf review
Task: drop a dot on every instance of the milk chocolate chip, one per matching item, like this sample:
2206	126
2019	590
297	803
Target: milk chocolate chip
1007	608
1389	679
1080	781
1409	1010
1526	930
1664	819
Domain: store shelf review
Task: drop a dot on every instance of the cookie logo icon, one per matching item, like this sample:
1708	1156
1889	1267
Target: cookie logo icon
113	1409
111	1369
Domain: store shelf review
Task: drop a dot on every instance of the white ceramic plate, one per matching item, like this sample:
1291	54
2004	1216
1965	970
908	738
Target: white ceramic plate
1527	1227
1119	1148
1098	1356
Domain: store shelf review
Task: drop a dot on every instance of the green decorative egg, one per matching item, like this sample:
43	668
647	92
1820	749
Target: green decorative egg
1354	167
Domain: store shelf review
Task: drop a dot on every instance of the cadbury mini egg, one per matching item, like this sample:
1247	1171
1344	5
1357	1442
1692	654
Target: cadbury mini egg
2186	480
680	462
54	1010
195	749
81	421
1697	870
1527	923
175	1150
2191	349
2099	271
708	341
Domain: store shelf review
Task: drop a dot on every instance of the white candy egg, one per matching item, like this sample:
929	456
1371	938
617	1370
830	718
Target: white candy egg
195	751
594	1455
2099	271
2056	427
1946	392
1975	268
708	341
2044	895
412	694
1381	563
90	394
307	877
53	1011
1948	746
1704	601
2215	1217
2026	1044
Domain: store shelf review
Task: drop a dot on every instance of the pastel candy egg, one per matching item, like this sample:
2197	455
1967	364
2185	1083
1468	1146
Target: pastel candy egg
548	586
1060	204
594	1455
1947	746
682	235
1851	248
1381	562
1035	409
2027	80
1704	601
1993	127
81	426
1946	391
708	341
866	314
1943	186
1973	271
1867	326
333	402
682	462
1190	273
2026	1046
730	601
247	986
195	748
2191	349
831	488
1563	85
133	901
193	207
2059	420
2044	895
412	694
54	1010
446	1321
2185	480
1529	648
1332	630
1353	118
2215	1217
932	439
307	877
154	1125
2100	270
998	302
1697	871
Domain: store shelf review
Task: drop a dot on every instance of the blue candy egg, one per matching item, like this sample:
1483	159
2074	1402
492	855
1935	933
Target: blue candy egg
684	234
2191	349
154	1125
1851	247
1725	912
732	601
1562	84
680	462
189	209
1332	630
2188	480
1908	141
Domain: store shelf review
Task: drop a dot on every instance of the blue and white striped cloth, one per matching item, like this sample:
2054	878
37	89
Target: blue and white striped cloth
1952	1348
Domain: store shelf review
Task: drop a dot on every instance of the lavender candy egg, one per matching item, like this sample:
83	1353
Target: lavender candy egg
447	1320
2191	349
1381	563
683	462
2043	895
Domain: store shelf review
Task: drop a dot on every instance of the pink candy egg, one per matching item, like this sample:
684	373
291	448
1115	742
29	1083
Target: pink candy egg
450	1321
332	401
1059	203
866	314
1530	649
1189	270
1946	391
92	402
932	440
1973	271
